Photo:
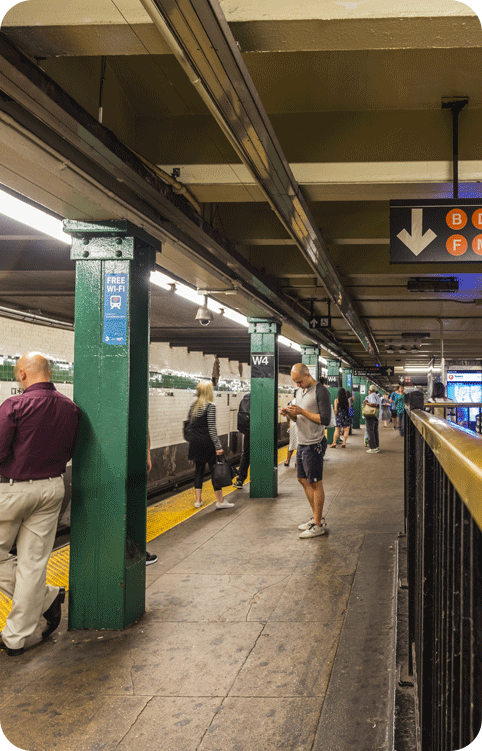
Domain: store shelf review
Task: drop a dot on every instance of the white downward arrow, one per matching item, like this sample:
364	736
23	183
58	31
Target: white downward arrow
416	242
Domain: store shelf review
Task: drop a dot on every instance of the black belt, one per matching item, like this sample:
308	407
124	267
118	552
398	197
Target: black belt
8	479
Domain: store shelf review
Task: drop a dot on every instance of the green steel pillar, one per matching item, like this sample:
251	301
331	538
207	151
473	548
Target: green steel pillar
346	381
357	403
109	470
310	357
263	453
363	396
333	384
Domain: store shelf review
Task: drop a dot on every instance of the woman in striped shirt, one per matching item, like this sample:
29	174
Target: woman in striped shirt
204	443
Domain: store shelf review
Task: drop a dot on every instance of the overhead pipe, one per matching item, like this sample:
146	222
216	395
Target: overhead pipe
200	39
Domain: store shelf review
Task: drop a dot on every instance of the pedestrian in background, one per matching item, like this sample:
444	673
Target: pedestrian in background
399	402
371	421
393	409
385	416
341	408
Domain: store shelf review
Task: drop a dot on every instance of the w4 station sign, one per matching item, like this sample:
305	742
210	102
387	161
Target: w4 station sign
443	231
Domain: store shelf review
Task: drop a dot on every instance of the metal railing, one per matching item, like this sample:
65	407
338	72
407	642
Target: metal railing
443	510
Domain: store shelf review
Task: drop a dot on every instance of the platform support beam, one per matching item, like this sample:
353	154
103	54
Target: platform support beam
109	468
310	357
333	384
264	407
357	402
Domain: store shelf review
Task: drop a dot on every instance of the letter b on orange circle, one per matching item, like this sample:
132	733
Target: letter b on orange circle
456	219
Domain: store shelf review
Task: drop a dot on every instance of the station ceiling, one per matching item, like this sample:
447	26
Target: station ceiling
261	143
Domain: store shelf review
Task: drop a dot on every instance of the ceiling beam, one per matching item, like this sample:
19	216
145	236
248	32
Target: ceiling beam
202	42
54	135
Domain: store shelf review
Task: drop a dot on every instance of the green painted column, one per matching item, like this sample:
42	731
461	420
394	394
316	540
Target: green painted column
111	380
347	379
310	357
363	395
357	403
333	384
263	453
347	382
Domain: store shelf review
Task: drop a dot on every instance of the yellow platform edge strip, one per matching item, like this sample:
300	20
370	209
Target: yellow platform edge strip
161	517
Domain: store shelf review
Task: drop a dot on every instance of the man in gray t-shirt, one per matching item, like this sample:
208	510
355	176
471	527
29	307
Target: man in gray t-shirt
311	413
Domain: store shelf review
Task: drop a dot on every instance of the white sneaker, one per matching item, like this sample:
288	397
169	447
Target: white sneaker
308	524
198	504
224	504
376	451
313	531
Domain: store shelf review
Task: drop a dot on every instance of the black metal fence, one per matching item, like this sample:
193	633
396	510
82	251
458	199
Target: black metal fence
443	508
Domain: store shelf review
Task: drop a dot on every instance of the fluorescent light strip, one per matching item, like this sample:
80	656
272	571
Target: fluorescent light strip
25	214
187	293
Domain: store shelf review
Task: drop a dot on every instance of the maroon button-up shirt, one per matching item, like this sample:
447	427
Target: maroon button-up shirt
38	432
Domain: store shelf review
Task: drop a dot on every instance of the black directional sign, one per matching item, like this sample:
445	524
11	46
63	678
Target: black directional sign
438	231
374	371
320	322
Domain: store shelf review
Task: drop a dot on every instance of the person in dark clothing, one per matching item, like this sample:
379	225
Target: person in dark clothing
343	419
204	444
244	428
38	433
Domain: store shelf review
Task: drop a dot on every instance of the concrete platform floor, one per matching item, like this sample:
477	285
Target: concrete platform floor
253	639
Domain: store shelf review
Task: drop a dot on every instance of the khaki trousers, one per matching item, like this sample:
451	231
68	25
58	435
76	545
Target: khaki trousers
28	516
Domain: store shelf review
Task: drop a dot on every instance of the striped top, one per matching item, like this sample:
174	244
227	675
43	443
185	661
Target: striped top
211	419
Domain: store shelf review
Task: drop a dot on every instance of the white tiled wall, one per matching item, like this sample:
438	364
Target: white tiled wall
167	407
18	337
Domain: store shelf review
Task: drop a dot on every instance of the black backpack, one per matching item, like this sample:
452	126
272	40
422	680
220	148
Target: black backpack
243	414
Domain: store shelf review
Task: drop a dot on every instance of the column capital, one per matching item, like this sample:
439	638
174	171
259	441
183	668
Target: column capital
263	326
109	240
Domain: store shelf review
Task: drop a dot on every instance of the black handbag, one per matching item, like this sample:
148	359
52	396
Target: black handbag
187	430
222	473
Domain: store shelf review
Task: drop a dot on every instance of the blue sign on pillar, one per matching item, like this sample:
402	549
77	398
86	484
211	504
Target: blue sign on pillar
116	287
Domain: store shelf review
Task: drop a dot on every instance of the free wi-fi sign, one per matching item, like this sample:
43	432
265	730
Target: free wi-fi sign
443	231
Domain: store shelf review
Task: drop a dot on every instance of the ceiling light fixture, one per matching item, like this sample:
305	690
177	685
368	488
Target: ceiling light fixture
28	215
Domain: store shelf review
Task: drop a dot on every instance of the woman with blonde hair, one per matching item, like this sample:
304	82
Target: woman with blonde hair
204	443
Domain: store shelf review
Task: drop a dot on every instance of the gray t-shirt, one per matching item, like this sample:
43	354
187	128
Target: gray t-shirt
308	432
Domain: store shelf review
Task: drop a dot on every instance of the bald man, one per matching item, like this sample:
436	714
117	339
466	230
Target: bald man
38	432
312	412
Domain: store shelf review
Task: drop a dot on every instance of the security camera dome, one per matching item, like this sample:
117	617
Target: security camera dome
204	315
